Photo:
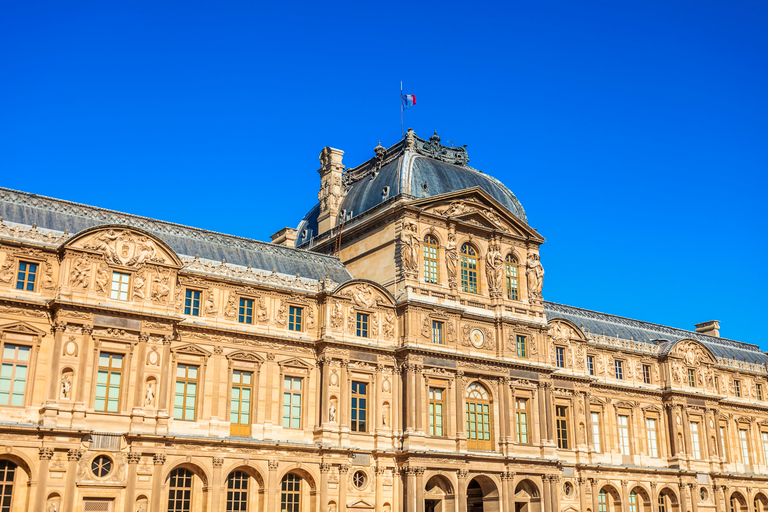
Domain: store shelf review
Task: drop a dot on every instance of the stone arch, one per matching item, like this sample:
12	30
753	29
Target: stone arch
22	481
303	472
612	497
642	498
431	231
761	500
527	496
252	471
439	494
577	332
195	468
307	493
253	495
387	295
737	502
483	490
21	461
670	497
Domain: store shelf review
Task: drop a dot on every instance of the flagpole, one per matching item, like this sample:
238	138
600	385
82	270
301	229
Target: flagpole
401	109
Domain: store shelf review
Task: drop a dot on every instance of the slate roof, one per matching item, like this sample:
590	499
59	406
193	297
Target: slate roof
666	337
58	215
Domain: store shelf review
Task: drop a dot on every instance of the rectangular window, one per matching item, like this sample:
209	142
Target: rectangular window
108	382
192	303
521	346
292	402
362	325
511	278
591	364
430	260
695	447
560	355
650	427
737	388
245	313
632	502
722	443
602	501
185	399
619	366
358	409
294	318
624	434
25	280
764	438
646	374
662	504
13	374
240	403
120	283
595	417
435	411
437	332
744	446
759	388
691	378
561	417
521	416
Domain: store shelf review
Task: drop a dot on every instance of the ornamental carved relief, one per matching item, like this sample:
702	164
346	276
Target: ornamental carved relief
125	248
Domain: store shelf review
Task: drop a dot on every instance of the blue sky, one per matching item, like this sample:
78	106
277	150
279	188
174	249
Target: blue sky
634	132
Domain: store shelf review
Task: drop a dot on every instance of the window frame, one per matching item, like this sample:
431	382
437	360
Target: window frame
618	367
15	363
624	433
647	374
596	433
437	332
691	378
744	446
485	410
186	380
293	504
245	310
652	436
512	276
355	396
695	439
189	301
115	293
722	430
295	318
522	345
8	472
123	372
431	258
562	426
468	264
188	494
362	324
560	356
764	442
759	391
524	422
591	365
737	388
434	403
239	428
292	392
25	280
239	496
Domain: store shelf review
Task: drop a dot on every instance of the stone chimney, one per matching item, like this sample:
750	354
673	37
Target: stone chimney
330	194
711	328
286	236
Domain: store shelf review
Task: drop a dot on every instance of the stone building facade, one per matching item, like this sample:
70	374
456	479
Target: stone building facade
393	353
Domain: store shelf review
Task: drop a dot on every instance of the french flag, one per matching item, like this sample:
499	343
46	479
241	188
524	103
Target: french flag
409	100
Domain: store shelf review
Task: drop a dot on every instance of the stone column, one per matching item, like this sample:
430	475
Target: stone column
582	493
462	475
217	483
216	383
130	487
593	484
42	478
73	457
683	500
53	367
554	490
507	480
694	498
325	384
419	399
550	404
82	364
459	413
343	470
589	441
324	469
162	400
624	495
655	498
342	410
157	480
545	493
273	489
543	414
419	489
141	354
719	497
380	471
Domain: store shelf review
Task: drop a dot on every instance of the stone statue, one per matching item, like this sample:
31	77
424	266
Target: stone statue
210	306
385	415
494	268
332	414
48	276
150	398
101	279
535	275
7	271
66	386
105	243
409	250
336	315
451	258
362	295
141	508
52	507
146	251
79	274
161	290
138	286
389	325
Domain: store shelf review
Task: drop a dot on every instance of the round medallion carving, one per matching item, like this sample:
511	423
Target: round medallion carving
70	349
154	358
334	379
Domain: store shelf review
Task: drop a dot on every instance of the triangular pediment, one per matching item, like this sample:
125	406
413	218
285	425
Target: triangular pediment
245	355
295	362
22	328
191	350
360	504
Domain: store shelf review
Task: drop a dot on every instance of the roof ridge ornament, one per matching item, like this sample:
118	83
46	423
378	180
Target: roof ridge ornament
434	149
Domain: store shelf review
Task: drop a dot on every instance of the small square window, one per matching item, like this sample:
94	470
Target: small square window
362	325
25	280
120	283
646	374
437	332
294	318
619	365
245	314
192	303
591	364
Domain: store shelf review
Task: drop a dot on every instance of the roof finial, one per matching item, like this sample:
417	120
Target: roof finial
434	138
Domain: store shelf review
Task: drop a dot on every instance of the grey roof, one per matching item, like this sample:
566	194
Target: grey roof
666	337
417	170
58	215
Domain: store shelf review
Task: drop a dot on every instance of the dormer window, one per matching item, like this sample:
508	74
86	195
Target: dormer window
120	282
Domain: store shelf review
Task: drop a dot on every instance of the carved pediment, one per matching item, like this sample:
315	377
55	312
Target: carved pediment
562	331
22	328
360	504
245	355
295	362
191	350
693	353
124	246
365	294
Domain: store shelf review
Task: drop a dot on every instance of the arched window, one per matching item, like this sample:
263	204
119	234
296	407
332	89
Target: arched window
468	269
511	267
7	472
602	501
237	491
290	497
430	259
632	501
180	490
478	411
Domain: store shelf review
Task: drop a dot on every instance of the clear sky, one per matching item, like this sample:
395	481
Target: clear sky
634	133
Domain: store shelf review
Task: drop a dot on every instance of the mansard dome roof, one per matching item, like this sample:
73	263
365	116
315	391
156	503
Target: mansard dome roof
416	169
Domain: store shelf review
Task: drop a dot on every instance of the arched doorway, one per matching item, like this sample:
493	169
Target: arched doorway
438	495
482	495
527	497
639	500
667	501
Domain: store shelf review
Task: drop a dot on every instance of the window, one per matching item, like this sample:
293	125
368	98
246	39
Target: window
292	402
595	417
468	269
722	442
25	280
245	314
192	303
560	356
511	266
120	283
478	416
646	374
591	364
185	402
691	378
759	389
294	319
662	504
13	374
650	427
290	496
359	479
561	417
7	473
696	448
521	416
101	466
521	347
240	403
737	388
619	366
632	502
359	406
624	434
764	437
436	411
180	491
744	446
362	325
437	332
237	492
602	501
108	382
430	259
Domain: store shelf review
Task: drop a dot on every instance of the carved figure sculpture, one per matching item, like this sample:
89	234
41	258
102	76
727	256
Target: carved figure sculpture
105	243
53	507
161	290
141	508
389	325
262	315
362	295
494	268
210	306
311	318
66	386
332	414
48	276
535	275
336	315
385	415
79	274
7	271
231	308
101	278
150	398
409	250
145	251
281	312
138	286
